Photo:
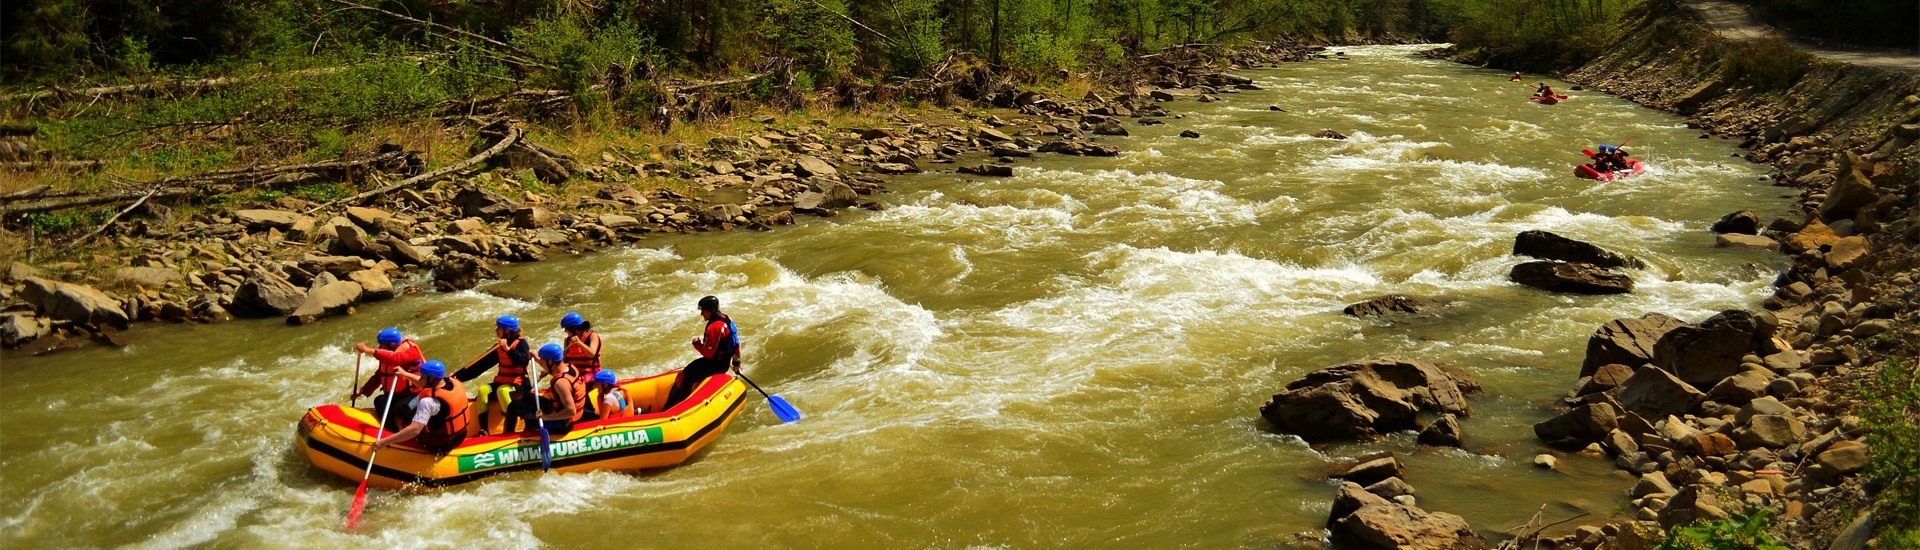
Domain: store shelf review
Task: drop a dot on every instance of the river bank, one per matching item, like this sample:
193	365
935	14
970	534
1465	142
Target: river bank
516	201
1804	421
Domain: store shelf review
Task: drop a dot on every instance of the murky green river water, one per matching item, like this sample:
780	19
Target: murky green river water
1068	358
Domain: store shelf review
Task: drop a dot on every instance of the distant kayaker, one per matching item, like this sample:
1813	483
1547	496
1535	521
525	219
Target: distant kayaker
439	411
396	353
605	399
1545	91
1517	78
719	348
583	345
512	354
562	406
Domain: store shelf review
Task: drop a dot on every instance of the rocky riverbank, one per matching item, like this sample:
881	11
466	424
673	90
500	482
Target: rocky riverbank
303	261
1758	410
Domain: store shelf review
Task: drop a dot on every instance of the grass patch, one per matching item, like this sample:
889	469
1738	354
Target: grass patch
1766	64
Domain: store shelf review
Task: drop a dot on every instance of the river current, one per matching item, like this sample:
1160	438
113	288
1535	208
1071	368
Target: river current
1071	357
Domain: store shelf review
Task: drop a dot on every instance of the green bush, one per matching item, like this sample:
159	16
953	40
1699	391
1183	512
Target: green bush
1768	63
1744	531
49	223
1890	409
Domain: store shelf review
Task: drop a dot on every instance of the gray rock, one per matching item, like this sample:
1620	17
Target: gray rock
1626	341
1771	431
1390	488
266	219
460	271
1742	222
1550	246
1443	432
372	219
1398	526
1750	242
1655	393
1841	459
811	166
374	284
20	328
147	277
1374	471
402	252
1390	304
1574	278
1364	399
333	299
265	294
1709	352
1740	388
618	221
475	202
840	196
17	272
1786	361
73	303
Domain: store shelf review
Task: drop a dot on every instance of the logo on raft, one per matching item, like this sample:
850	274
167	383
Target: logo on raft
561	449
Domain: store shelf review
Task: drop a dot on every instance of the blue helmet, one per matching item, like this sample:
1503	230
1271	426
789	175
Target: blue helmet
550	352
389	337
606	377
572	320
1604	148
433	369
507	322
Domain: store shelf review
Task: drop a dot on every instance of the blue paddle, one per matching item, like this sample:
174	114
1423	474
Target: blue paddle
780	407
546	442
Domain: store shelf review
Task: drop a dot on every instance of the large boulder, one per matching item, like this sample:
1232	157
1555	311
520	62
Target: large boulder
840	196
266	294
1744	222
1709	352
79	304
1443	432
1364	399
374	284
20	328
1575	278
1550	246
1844	199
1384	525
1655	393
332	299
147	277
1579	427
1374	471
809	166
1626	341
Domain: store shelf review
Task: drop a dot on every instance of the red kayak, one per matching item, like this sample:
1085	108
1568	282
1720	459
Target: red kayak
1634	168
1547	100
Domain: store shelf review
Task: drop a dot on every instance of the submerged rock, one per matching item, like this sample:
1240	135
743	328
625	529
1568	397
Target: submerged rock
1364	399
1575	278
1550	246
1744	222
1390	304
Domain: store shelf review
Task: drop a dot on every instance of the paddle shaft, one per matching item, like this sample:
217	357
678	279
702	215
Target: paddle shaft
354	387
381	430
756	387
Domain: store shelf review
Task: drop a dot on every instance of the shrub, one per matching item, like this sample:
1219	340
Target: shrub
1742	531
1768	63
1891	406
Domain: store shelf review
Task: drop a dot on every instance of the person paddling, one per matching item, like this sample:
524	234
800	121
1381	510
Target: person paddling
605	399
719	348
566	394
1516	78
511	353
439	419
1545	91
396	353
583	345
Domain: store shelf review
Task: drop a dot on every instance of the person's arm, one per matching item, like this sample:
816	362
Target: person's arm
486	361
520	352
422	414
711	343
564	409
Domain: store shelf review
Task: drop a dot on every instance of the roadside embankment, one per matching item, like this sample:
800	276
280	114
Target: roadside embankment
1800	414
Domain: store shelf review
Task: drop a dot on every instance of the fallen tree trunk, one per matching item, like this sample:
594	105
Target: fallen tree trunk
226	181
513	135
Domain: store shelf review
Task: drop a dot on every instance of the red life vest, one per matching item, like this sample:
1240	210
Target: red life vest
582	357
405	356
448	427
510	374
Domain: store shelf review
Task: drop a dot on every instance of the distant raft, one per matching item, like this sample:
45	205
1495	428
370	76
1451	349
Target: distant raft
1634	168
338	439
1547	99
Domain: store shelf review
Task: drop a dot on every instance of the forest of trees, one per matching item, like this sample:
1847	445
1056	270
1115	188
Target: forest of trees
68	40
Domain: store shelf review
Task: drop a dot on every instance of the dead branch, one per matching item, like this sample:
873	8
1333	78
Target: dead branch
115	218
692	86
211	183
514	133
37	165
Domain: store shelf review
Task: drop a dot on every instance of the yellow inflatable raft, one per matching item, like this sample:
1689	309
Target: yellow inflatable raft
337	439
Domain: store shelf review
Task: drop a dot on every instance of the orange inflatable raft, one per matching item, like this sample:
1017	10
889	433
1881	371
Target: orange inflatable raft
337	439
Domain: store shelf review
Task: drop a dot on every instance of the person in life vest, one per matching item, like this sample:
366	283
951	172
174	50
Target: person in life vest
511	353
565	395
1516	78
605	399
439	417
719	349
583	345
396	353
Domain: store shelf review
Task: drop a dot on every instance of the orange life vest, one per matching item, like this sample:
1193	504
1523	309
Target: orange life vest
448	427
582	357
408	362
570	383
510	374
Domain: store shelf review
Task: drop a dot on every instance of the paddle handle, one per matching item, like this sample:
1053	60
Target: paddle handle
381	430
353	388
